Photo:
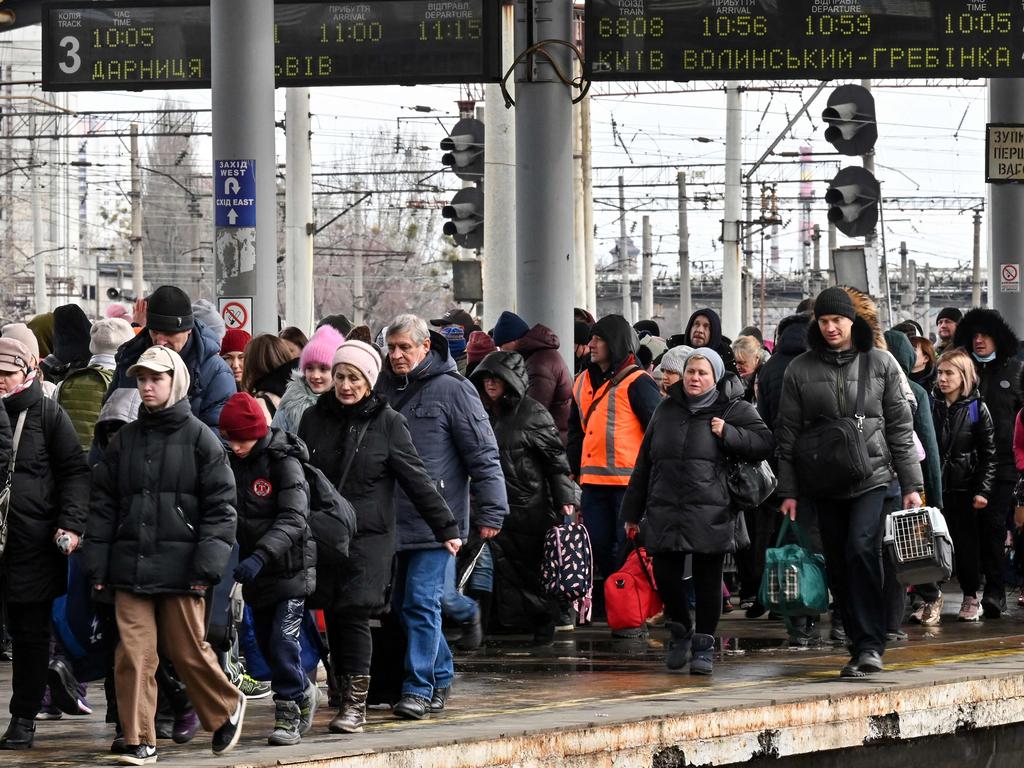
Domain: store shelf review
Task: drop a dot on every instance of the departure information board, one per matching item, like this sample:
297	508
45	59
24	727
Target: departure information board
803	39
140	45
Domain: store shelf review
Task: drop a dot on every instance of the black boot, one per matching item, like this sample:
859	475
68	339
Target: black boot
20	734
352	715
679	646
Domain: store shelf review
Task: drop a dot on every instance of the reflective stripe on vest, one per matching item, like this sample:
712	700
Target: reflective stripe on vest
612	435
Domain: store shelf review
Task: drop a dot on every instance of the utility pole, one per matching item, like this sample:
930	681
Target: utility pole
7	265
245	193
499	257
647	274
748	260
544	241
358	297
627	298
38	254
832	240
731	263
976	271
926	309
579	227
685	300
907	281
816	254
588	205
298	211
135	241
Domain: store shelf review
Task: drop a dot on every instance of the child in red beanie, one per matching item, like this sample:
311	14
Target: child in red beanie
277	554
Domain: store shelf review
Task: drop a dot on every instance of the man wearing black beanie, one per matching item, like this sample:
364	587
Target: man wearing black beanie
945	326
171	323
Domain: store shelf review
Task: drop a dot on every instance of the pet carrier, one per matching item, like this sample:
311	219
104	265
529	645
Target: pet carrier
918	545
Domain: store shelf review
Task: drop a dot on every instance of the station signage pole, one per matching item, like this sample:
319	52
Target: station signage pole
244	167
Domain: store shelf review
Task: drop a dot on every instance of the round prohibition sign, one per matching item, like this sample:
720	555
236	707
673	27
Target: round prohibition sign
1010	273
235	315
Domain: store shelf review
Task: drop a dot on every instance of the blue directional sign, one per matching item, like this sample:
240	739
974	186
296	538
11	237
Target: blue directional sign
235	193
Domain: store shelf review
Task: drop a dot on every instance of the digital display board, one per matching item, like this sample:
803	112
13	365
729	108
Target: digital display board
140	45
798	39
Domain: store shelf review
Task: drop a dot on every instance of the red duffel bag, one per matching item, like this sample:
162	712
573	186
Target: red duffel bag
630	594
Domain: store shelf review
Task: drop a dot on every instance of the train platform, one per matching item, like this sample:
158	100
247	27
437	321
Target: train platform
593	700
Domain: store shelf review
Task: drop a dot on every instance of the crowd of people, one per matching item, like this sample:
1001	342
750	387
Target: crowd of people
156	461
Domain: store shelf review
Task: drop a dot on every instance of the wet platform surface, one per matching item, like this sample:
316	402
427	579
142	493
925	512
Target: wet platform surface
586	680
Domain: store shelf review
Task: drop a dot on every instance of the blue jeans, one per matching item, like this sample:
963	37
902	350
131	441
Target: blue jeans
419	586
277	627
454	604
482	578
600	507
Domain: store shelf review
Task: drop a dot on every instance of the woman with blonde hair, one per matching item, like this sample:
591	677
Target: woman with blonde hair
749	355
966	437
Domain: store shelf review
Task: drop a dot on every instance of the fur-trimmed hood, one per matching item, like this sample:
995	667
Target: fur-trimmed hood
991	323
867	330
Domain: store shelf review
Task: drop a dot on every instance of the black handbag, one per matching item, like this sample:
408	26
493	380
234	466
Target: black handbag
832	457
749	483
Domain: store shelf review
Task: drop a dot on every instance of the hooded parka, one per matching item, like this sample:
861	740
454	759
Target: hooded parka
50	490
679	483
537	481
272	500
791	343
385	456
162	515
1000	380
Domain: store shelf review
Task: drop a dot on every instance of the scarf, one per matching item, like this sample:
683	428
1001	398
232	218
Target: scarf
699	402
24	385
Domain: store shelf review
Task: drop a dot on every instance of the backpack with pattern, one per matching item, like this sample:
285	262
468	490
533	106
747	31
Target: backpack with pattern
567	568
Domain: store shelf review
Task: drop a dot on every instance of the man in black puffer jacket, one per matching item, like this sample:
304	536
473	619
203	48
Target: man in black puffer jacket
821	386
992	344
277	555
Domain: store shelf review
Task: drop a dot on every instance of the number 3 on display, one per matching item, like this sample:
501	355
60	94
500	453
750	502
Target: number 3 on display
74	61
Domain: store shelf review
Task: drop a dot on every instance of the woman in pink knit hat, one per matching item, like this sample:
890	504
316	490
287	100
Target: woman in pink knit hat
311	380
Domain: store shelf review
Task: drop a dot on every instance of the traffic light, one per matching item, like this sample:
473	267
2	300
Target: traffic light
466	214
464	149
853	198
850	115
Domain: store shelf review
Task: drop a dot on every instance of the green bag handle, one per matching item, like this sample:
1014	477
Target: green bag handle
798	532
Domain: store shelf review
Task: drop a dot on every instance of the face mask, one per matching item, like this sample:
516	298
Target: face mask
986	359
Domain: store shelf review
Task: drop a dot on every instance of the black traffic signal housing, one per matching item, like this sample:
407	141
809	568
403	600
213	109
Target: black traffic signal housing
850	114
464	149
853	198
465	214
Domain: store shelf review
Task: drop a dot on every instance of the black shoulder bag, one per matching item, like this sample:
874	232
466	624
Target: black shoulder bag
750	483
832	457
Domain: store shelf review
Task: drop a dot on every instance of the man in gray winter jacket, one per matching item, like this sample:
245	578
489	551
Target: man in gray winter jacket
453	435
819	386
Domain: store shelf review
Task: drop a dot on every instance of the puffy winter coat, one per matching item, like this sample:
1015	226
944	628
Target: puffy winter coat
791	343
1000	381
385	456
296	399
966	445
212	380
453	436
269	389
537	480
550	382
679	482
50	490
812	388
272	501
721	344
162	514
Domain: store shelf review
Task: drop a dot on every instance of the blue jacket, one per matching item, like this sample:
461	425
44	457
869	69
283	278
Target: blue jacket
212	380
453	435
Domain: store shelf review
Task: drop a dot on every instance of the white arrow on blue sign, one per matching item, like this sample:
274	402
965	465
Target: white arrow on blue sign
235	193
